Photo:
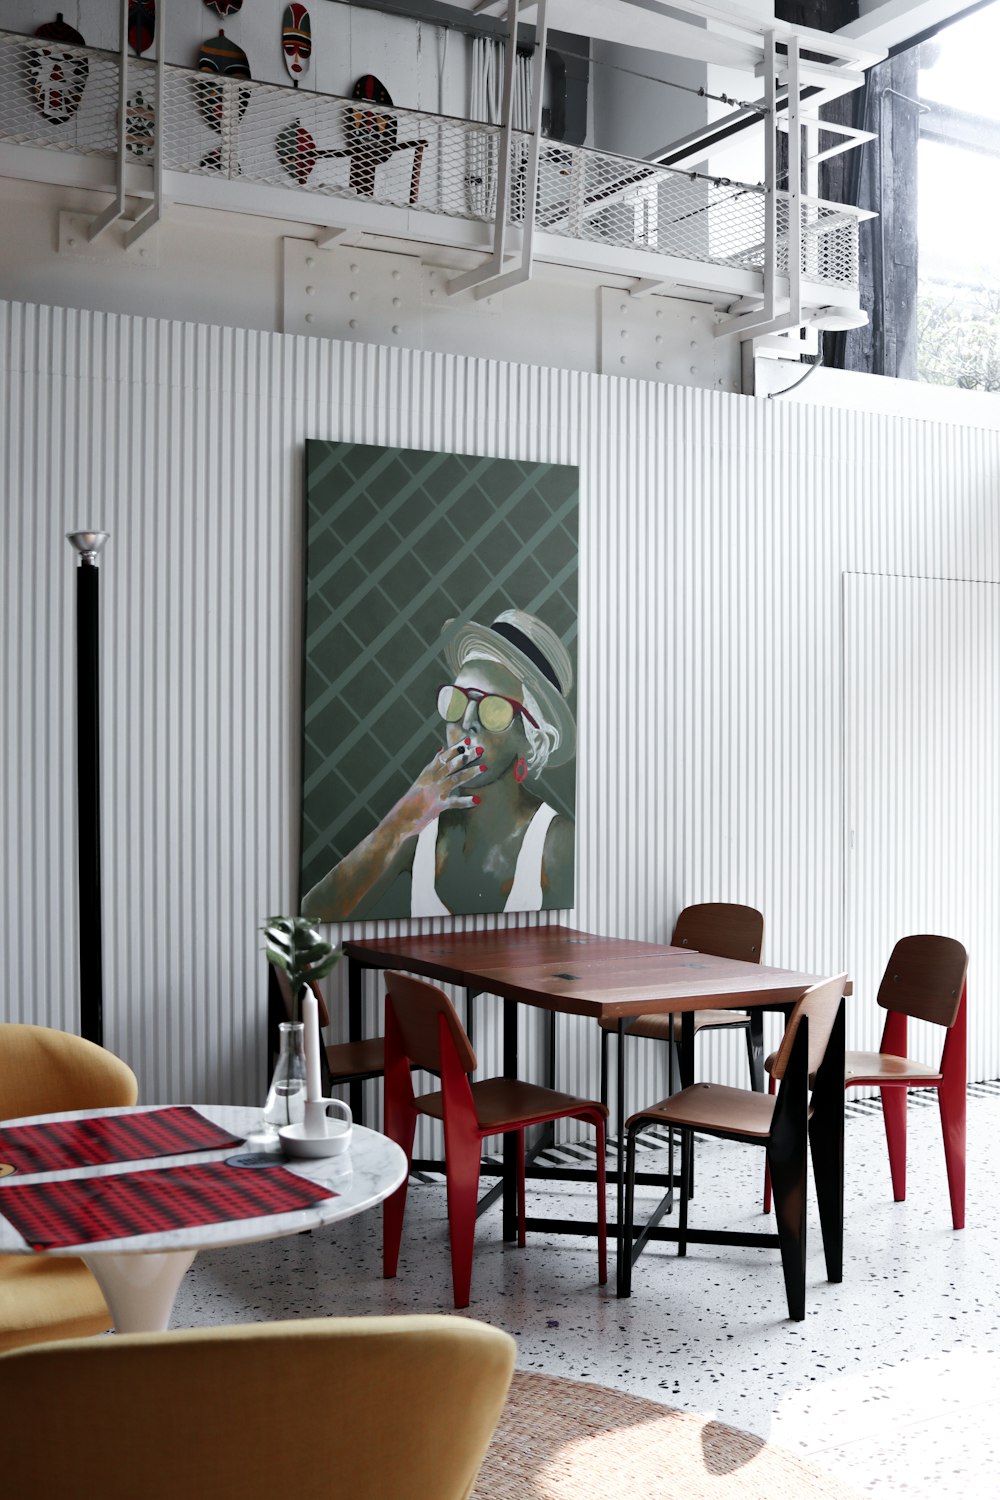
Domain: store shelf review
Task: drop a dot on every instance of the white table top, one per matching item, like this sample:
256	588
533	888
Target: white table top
361	1177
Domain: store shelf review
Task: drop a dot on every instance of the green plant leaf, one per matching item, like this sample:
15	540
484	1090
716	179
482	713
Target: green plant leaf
296	945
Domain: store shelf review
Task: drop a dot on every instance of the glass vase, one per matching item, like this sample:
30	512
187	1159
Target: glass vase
286	1098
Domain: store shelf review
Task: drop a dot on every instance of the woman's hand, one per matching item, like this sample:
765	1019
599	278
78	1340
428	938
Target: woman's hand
363	875
443	784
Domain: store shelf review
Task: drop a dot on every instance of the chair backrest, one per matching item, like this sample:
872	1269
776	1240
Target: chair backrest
722	929
416	1006
43	1070
278	981
924	978
364	1408
820	1004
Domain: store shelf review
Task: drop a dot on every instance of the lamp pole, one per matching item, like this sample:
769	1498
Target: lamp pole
89	545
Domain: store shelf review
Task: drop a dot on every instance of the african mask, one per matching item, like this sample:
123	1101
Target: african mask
296	41
57	78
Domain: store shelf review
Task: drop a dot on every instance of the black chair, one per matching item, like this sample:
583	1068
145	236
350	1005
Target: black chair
809	1065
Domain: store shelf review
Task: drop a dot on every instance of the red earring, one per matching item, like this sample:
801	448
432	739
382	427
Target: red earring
520	768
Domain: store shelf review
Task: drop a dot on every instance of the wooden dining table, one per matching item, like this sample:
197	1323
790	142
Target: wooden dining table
565	971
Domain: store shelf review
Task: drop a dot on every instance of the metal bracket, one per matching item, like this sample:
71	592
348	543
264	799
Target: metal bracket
115	210
501	271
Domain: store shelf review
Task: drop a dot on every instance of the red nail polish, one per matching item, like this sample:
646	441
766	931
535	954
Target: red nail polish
484	768
476	801
479	749
468	742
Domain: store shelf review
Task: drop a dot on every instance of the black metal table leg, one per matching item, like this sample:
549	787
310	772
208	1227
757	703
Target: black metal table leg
355	1092
510	1140
622	1248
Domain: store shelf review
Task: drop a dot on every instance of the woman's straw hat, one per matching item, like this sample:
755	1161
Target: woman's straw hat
526	646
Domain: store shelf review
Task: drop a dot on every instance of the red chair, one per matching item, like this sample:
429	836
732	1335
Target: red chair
422	1030
925	979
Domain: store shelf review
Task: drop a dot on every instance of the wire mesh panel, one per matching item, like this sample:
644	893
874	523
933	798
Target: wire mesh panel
58	96
65	98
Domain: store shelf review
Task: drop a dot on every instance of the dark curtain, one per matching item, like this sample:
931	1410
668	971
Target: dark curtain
881	175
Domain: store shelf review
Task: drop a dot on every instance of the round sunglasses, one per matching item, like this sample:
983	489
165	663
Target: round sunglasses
496	712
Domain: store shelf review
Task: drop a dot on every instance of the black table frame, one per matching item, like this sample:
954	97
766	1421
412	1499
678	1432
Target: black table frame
507	1185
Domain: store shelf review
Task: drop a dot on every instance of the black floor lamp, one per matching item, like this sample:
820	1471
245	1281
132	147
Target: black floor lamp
89	545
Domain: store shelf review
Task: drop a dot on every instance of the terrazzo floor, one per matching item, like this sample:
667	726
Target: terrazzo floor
893	1380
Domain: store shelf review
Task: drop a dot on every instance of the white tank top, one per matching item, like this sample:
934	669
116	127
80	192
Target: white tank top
526	890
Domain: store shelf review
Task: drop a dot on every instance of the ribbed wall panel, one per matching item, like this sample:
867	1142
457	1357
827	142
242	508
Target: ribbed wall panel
715	533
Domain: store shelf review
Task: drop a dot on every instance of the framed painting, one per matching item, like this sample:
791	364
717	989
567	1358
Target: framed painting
439	736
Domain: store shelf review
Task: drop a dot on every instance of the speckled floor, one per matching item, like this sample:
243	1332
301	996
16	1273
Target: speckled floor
893	1380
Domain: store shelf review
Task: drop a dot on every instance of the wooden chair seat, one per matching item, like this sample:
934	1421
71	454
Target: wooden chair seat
361	1060
666	1028
713	1107
880	1067
507	1104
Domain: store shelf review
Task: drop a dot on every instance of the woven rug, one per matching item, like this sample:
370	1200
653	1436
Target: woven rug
568	1440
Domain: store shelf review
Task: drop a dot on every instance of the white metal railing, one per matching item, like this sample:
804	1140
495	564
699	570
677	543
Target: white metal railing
316	144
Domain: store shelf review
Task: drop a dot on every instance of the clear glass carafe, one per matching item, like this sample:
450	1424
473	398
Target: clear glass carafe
286	1098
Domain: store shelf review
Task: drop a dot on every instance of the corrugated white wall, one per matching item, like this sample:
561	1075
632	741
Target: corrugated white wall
715	530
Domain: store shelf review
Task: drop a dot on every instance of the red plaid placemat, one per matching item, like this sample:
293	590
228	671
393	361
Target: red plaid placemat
61	1144
84	1210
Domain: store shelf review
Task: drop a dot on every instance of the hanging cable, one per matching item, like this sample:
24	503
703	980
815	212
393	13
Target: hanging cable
772	395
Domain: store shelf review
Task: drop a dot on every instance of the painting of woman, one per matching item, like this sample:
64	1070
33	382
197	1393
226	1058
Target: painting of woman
473	832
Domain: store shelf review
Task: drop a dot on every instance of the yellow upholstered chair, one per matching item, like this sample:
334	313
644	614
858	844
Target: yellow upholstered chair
42	1071
354	1408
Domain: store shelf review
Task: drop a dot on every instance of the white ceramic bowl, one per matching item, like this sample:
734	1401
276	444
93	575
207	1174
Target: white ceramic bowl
295	1142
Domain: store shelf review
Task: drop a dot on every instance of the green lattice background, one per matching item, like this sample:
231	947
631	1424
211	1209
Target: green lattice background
398	542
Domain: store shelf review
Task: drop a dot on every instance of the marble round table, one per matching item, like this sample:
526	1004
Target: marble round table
139	1275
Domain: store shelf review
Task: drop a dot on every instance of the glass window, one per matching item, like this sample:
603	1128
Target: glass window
958	180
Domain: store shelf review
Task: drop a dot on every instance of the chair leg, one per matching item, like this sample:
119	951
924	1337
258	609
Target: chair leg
894	1117
788	1174
520	1189
401	1130
625	1240
602	1198
787	1155
767	1169
687	1168
462	1152
755	1049
828	1175
951	1102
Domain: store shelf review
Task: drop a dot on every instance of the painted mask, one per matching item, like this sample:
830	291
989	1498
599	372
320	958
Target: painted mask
57	78
140	135
297	151
141	25
224	7
296	41
221	56
367	127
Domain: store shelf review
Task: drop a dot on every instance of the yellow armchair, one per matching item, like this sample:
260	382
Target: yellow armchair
368	1408
42	1071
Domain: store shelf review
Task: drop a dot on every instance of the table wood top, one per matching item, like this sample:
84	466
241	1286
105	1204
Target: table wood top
579	973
